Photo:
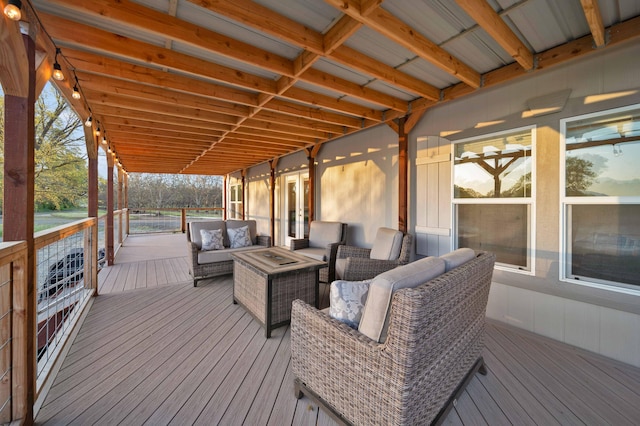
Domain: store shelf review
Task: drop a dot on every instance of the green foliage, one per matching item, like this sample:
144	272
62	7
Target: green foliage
60	164
159	190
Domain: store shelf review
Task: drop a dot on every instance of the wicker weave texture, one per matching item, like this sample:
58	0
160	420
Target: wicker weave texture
360	267
435	336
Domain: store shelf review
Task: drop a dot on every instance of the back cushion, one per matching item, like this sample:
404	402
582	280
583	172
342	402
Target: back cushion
387	244
321	234
375	317
457	257
195	227
233	224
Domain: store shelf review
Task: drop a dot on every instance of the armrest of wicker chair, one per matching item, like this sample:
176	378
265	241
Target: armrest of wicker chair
358	269
298	244
264	240
345	251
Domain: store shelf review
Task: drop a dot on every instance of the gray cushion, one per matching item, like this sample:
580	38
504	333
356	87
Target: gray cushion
314	253
387	244
375	317
457	257
321	234
222	255
347	299
196	226
341	266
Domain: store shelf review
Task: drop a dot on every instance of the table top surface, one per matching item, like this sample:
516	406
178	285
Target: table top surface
277	260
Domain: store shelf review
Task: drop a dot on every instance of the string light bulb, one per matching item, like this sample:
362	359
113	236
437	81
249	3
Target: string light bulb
76	92
88	122
98	131
12	10
104	140
57	69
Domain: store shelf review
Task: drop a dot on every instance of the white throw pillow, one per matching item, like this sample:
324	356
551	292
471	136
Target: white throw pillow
347	300
239	237
211	239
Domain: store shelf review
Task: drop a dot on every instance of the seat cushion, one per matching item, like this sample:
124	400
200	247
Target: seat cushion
316	253
347	299
321	234
387	244
211	239
457	257
375	317
196	226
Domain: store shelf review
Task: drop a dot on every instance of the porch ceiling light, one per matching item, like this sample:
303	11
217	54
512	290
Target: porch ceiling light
98	130
12	10
88	122
104	140
57	69
76	92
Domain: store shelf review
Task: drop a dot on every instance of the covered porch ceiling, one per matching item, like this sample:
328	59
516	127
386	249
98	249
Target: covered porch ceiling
211	87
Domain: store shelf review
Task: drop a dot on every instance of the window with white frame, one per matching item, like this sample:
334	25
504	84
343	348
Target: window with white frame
493	189
235	203
601	198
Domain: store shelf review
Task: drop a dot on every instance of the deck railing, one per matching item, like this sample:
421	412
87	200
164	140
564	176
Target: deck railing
66	276
151	220
13	332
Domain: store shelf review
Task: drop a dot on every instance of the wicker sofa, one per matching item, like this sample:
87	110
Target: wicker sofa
432	349
210	263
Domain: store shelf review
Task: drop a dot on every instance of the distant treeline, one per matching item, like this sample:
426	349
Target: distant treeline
172	191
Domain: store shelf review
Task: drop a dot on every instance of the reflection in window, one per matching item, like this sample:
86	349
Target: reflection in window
602	155
496	167
602	198
487	169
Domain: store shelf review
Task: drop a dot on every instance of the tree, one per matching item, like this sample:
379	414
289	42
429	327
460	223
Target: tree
580	175
60	166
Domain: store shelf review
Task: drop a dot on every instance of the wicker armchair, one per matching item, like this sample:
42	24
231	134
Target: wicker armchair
356	263
322	244
433	348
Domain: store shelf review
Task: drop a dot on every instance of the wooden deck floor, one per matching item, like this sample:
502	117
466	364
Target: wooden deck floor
165	352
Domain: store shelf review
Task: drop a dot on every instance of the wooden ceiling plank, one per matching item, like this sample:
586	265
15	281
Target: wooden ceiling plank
393	28
331	103
482	12
165	25
287	130
594	18
67	32
298	110
160	126
244	130
322	79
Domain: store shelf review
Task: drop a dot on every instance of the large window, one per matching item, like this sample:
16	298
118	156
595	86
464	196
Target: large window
601	198
492	196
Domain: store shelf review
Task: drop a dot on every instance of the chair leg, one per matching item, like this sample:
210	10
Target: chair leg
297	389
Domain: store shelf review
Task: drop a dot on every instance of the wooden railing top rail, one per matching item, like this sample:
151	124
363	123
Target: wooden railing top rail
12	250
48	236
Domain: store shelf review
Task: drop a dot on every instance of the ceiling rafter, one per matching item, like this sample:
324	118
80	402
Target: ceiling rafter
393	28
594	18
482	12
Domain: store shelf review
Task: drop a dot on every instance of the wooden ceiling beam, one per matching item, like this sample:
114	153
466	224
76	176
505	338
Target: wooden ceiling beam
134	125
67	32
141	133
482	12
316	114
244	130
393	28
14	65
284	129
594	18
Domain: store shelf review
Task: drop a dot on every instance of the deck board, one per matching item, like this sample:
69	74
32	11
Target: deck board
165	352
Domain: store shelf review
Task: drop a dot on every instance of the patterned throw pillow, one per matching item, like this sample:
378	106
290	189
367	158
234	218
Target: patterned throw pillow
347	300
239	237
211	239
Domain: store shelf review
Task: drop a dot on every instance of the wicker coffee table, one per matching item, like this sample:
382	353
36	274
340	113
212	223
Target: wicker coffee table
266	281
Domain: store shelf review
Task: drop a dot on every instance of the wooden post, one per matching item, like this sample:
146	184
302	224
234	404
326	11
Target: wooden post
403	175
183	220
224	198
125	176
91	237
312	185
18	224
120	202
244	172
272	198
109	225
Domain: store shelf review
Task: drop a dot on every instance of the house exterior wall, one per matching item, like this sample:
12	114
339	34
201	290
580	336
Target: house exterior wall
602	321
357	183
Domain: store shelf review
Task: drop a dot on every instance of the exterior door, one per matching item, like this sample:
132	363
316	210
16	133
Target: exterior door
296	208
